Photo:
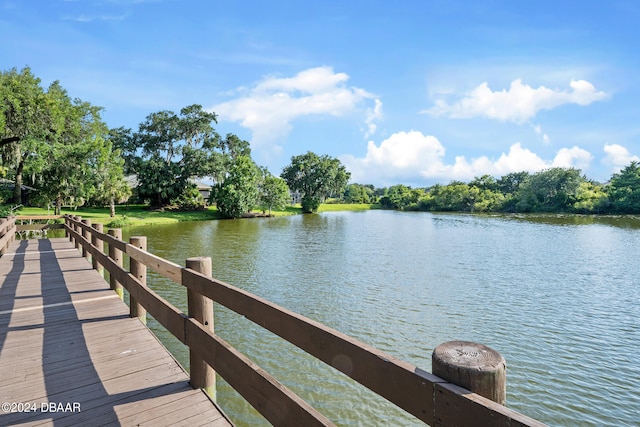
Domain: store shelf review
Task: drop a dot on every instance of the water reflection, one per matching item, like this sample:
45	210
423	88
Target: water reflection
558	300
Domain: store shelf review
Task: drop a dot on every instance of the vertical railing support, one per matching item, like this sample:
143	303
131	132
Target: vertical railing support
69	223
473	366
4	248
86	233
201	309
99	245
139	271
78	229
116	255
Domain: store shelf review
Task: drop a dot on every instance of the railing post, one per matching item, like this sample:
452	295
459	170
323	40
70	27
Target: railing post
13	234
201	309
68	223
139	271
473	366
116	255
4	248
99	245
86	233
77	229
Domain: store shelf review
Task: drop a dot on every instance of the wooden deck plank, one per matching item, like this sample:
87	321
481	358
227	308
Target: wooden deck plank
66	338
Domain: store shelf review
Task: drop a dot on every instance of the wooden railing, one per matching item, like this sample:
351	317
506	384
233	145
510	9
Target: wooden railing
7	232
428	397
32	222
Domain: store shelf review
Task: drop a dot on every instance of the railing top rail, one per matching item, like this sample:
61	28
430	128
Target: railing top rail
38	217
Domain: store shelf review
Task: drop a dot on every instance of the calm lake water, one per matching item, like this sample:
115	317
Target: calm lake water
558	296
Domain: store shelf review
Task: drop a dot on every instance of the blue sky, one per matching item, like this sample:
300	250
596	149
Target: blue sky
412	92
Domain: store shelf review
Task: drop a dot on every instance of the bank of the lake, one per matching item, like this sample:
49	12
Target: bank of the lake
555	294
138	215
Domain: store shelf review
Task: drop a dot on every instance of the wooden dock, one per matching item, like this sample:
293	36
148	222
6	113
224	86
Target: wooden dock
71	355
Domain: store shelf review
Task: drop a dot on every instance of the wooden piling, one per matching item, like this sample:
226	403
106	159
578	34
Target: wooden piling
473	366
116	255
139	271
201	309
99	245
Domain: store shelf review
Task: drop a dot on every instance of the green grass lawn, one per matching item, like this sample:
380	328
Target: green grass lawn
332	207
142	215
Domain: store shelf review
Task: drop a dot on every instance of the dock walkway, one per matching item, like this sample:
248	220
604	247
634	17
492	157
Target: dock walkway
71	355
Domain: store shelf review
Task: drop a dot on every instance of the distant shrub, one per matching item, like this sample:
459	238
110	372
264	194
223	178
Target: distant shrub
119	223
189	200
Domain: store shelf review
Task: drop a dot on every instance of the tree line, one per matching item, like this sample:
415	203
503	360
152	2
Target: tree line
551	190
61	148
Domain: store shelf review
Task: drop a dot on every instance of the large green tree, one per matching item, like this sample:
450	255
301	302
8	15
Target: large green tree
86	167
591	198
123	141
358	193
273	192
399	197
455	196
624	189
108	171
238	194
29	119
550	190
171	147
176	147
316	177
61	144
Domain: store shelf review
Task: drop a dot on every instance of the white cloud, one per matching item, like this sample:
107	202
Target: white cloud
617	157
518	104
373	115
573	157
402	156
418	159
270	106
544	136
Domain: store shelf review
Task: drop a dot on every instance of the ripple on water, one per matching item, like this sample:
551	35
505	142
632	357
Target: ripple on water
558	298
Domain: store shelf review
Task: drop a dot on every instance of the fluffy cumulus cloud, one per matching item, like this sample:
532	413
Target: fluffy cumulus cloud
518	104
418	159
270	106
400	157
617	157
573	157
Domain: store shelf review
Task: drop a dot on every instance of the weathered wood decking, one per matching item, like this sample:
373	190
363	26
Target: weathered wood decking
66	338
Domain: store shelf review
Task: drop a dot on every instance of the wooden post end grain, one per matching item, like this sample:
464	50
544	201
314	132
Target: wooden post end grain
473	366
139	271
201	309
